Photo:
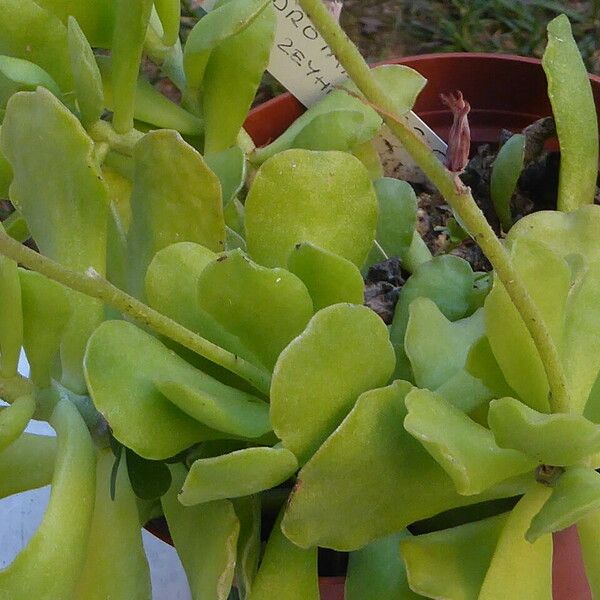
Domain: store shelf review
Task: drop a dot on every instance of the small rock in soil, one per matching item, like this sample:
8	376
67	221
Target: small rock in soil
382	288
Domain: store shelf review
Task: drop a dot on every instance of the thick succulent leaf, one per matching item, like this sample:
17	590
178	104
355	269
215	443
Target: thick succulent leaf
343	352
548	279
86	75
19	75
286	572
150	105
520	569
175	198
555	439
588	529
149	479
397	218
241	473
463	448
340	130
505	175
46	313
172	289
14	419
5	179
438	348
448	281
325	198
115	564
58	188
452	563
169	12
482	364
377	571
248	511
43	570
230	167
129	34
11	318
402	83
370	460
26	464
575	495
125	391
211	31
96	17
32	33
205	537
231	287
572	236
232	78
329	278
570	94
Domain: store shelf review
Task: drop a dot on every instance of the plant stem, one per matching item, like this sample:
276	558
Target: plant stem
94	285
15	387
460	200
103	133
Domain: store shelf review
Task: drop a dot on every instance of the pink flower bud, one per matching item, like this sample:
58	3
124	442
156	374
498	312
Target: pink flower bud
459	142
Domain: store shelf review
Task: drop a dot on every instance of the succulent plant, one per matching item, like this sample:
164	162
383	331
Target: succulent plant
193	318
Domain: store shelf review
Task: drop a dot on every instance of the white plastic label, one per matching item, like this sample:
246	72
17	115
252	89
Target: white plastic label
305	65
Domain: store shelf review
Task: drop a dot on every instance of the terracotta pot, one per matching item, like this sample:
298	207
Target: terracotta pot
505	92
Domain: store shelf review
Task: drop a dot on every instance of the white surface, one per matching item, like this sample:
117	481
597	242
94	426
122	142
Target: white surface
20	515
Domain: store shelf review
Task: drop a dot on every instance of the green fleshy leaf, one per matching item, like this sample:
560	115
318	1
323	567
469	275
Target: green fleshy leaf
520	569
555	439
205	537
548	281
11	317
401	83
150	105
237	474
482	365
86	75
371	461
27	464
397	218
588	529
46	313
343	352
330	279
232	77
172	289
211	31
43	570
325	198
115	565
96	17
286	572
19	75
575	495
231	287
129	34
452	563
124	390
150	479
175	198
570	94
14	419
377	571
573	237
463	448
58	188
448	281
169	12
437	350
32	33
230	167
248	511
505	175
